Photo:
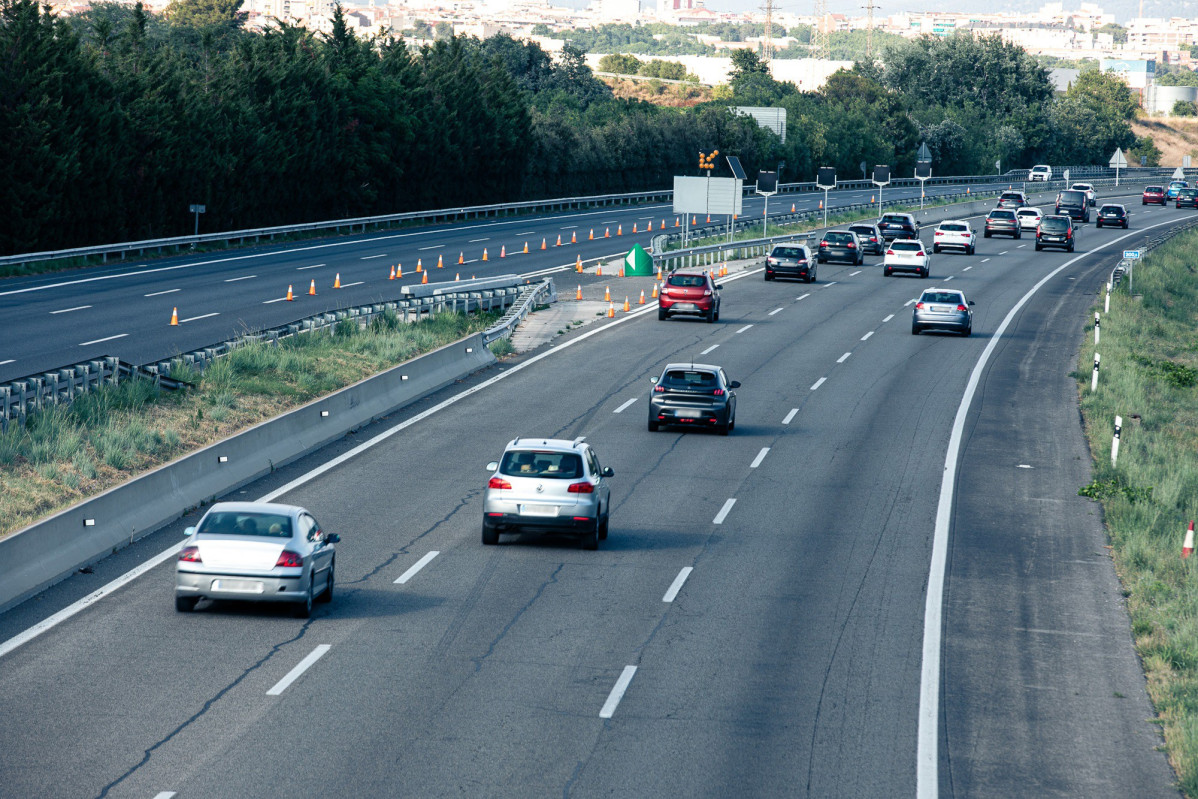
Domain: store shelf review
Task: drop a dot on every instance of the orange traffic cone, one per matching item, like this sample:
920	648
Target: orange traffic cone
709	219
337	281
484	253
607	293
399	270
871	199
677	223
419	265
621	272
641	301
620	230
503	251
792	206
424	278
461	257
544	244
312	289
607	233
599	270
592	237
574	237
392	274
290	296
821	205
633	228
627	306
648	227
526	248
559	240
663	224
578	293
654	294
175	318
694	220
659	274
611	311
578	265
456	276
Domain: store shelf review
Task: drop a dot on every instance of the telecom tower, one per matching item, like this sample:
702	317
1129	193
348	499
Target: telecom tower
869	30
819	36
767	43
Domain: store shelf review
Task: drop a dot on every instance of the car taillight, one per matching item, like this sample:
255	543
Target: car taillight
1068	234
190	555
960	307
890	252
919	306
823	244
719	392
659	389
498	482
939	233
581	488
665	291
706	292
289	559
852	246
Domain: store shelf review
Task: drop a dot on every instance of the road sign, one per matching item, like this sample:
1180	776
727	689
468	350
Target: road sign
767	182
1118	160
1065	176
924	153
1179	173
881	175
923	170
197	209
1131	255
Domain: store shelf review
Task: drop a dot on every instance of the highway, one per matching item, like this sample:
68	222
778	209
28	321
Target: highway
125	309
754	624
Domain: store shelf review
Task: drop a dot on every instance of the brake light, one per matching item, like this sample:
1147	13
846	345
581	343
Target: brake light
1069	233
960	307
659	389
939	233
289	559
852	246
919	306
706	292
719	392
190	555
823	243
890	252
581	488
498	482
665	291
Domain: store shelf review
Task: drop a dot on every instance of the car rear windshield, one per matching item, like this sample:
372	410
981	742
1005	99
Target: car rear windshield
941	296
893	218
839	238
1153	189
906	246
267	525
689	378
1188	193
952	227
788	252
1054	224
1071	197
541	463
1010	195
1027	212
1110	209
1002	214
687	281
868	230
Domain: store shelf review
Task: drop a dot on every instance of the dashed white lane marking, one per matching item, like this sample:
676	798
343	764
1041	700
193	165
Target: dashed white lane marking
431	247
950	277
313	266
723	514
776	310
966	269
201	316
790	415
68	310
293	675
859	271
1024	466
160	293
617	693
909	302
709	349
984	260
833	283
4	363
476	241
102	340
1017	246
818	383
625	405
805	296
372	257
1004	252
844	357
676	586
347	285
243	277
887	319
164	795
416	567
760	457
743	329
867	335
526	233
570	227
280	299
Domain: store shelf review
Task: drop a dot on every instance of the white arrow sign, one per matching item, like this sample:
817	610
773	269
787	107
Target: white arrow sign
1118	160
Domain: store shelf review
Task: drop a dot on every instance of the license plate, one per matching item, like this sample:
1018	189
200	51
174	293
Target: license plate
942	308
239	586
687	413
685	306
539	510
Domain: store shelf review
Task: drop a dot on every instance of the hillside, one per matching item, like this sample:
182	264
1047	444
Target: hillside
1175	137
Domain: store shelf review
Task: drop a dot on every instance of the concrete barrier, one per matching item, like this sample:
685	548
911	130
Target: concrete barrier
48	551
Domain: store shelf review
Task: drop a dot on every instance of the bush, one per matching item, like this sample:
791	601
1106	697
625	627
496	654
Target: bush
1183	108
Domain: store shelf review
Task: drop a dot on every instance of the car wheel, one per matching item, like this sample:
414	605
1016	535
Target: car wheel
822	260
717	313
661	313
768	276
1038	247
860	259
327	595
591	539
490	535
886	272
968	331
936	249
725	428
603	527
926	272
914	329
1018	235
986	234
711	316
1125	226
1098	224
653	425
303	610
1070	248
186	604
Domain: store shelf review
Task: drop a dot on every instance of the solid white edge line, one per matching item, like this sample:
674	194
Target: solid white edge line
617	692
624	405
760	457
887	319
723	514
709	349
676	586
416	567
818	383
927	756
790	415
102	340
867	335
4	363
844	357
293	675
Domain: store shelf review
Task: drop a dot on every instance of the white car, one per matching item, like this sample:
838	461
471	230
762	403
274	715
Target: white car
906	255
1029	218
1040	172
1088	188
954	233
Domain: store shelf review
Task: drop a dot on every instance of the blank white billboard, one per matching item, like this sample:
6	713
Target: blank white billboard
707	195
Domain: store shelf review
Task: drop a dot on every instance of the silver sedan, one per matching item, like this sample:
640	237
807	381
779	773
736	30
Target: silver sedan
942	309
256	551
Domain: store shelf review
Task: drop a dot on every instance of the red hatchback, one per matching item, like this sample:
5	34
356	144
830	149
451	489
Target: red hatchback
692	293
1153	194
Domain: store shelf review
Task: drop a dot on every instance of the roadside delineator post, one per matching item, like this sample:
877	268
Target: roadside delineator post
1107	307
175	317
1097	328
1115	440
1094	376
1188	546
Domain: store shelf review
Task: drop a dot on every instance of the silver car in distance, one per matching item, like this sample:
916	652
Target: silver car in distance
942	309
256	551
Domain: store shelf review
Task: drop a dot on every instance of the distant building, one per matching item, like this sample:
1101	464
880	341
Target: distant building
1139	74
619	10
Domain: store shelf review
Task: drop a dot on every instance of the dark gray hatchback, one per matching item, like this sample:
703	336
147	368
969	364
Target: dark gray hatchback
1055	231
790	260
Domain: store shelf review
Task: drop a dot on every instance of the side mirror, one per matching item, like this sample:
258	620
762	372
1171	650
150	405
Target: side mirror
653	380
718	286
734	384
189	531
331	538
607	472
971	302
492	466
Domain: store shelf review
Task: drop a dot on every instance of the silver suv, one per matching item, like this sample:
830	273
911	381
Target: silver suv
547	484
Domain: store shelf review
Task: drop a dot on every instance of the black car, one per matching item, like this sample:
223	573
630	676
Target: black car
790	260
693	395
870	236
1112	214
840	245
1074	204
1002	222
1187	198
1055	231
898	226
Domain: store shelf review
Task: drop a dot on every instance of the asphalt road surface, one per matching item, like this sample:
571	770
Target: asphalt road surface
753	625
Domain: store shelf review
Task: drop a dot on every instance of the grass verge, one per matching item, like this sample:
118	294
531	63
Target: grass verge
1149	349
69	453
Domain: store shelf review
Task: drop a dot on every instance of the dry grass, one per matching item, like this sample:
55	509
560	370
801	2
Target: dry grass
666	94
1175	137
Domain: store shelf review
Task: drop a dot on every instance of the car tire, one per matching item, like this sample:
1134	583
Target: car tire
971	250
927	272
1098	224
914	329
711	316
654	425
820	260
1039	247
986	234
886	272
768	277
1070	248
590	541
603	527
303	610
935	249
661	314
724	429
967	331
1125	226
186	604
490	535
860	259
326	595
717	313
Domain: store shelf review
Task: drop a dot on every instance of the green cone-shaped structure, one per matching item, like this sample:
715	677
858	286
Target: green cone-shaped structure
637	262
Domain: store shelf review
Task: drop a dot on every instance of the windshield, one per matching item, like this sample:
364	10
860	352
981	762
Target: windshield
689	378
839	238
687	281
942	296
268	525
895	218
1071	197
952	227
1002	215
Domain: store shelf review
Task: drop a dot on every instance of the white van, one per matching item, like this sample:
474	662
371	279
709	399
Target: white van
1040	172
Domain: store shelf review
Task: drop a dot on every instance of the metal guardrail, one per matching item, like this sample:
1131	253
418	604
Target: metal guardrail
543	292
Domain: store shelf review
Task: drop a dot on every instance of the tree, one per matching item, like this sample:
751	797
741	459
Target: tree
1178	77
620	64
1147	148
206	13
1182	108
1092	119
1118	32
670	70
746	63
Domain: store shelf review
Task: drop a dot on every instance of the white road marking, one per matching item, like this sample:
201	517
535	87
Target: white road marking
909	302
624	406
164	795
372	257
347	285
5	363
887	319
760	457
966	269
526	233
790	415
1004	252
743	329
476	241
950	277
201	316
776	310
280	299
867	335
984	260
723	514
859	271
833	283
435	246
293	675
68	310
818	383
160	293
416	567
313	266
844	357
1023	466
709	349
1017	246
676	586
102	340
805	296
570	227
235	279
617	693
